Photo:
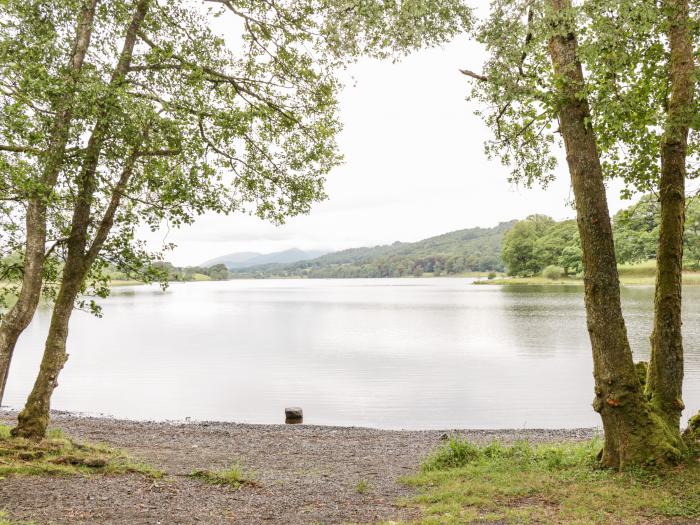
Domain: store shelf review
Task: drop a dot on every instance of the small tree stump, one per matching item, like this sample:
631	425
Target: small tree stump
293	415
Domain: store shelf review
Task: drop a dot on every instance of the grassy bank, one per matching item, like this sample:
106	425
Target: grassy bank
58	455
463	483
630	275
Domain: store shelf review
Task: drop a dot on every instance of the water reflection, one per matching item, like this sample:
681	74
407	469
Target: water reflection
429	353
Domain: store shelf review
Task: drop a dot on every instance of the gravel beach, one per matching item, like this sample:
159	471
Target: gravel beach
304	474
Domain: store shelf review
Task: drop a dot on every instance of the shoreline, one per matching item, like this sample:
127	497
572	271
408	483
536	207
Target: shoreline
8	414
303	473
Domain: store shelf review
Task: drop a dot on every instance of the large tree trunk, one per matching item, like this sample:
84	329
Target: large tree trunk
634	434
665	375
22	312
34	418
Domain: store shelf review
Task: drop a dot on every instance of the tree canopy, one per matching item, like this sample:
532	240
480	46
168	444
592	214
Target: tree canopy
124	114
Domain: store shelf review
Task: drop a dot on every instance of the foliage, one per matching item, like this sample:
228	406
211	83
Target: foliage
233	477
242	122
630	275
549	483
636	231
58	455
691	254
539	241
622	47
470	250
218	272
553	272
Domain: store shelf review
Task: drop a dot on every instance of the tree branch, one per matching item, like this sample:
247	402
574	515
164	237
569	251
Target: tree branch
477	76
159	153
19	149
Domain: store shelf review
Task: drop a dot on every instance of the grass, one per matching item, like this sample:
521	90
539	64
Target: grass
537	279
464	483
234	477
630	275
59	455
5	520
362	486
124	282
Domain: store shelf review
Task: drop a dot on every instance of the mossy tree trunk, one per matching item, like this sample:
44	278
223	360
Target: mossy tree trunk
33	420
22	312
634	433
665	377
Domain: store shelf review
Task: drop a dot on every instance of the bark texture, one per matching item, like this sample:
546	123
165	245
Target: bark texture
33	420
634	433
665	377
22	312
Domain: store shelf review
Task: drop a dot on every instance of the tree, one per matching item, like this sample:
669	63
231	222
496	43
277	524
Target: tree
636	231
178	122
692	235
655	114
645	87
549	249
519	245
665	378
218	272
571	258
534	78
39	93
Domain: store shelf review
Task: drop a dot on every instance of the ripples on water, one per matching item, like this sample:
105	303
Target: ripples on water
390	353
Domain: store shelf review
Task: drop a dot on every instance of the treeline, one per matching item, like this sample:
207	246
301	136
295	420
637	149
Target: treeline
470	250
218	272
636	231
540	244
167	272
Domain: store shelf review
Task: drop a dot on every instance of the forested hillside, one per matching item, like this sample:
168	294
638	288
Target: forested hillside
473	249
539	242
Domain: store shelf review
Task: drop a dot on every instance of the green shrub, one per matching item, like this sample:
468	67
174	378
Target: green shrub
458	453
553	272
492	275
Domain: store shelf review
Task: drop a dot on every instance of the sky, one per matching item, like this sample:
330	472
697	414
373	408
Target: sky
414	167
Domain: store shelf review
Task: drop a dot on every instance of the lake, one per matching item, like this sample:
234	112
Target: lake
387	353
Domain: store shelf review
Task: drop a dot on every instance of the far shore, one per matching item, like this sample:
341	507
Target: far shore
689	279
303	473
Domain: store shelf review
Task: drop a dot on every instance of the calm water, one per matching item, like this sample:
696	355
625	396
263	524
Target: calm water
429	353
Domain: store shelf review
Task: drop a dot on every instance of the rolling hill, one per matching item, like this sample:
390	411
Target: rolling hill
241	260
473	249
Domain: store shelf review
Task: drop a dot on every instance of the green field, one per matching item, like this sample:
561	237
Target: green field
630	275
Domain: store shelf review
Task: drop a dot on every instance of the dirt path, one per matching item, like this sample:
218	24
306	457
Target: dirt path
304	474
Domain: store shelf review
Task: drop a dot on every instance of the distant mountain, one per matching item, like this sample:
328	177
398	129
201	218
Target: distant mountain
231	258
473	249
242	260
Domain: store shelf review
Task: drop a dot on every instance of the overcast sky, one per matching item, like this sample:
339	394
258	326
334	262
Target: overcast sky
414	167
